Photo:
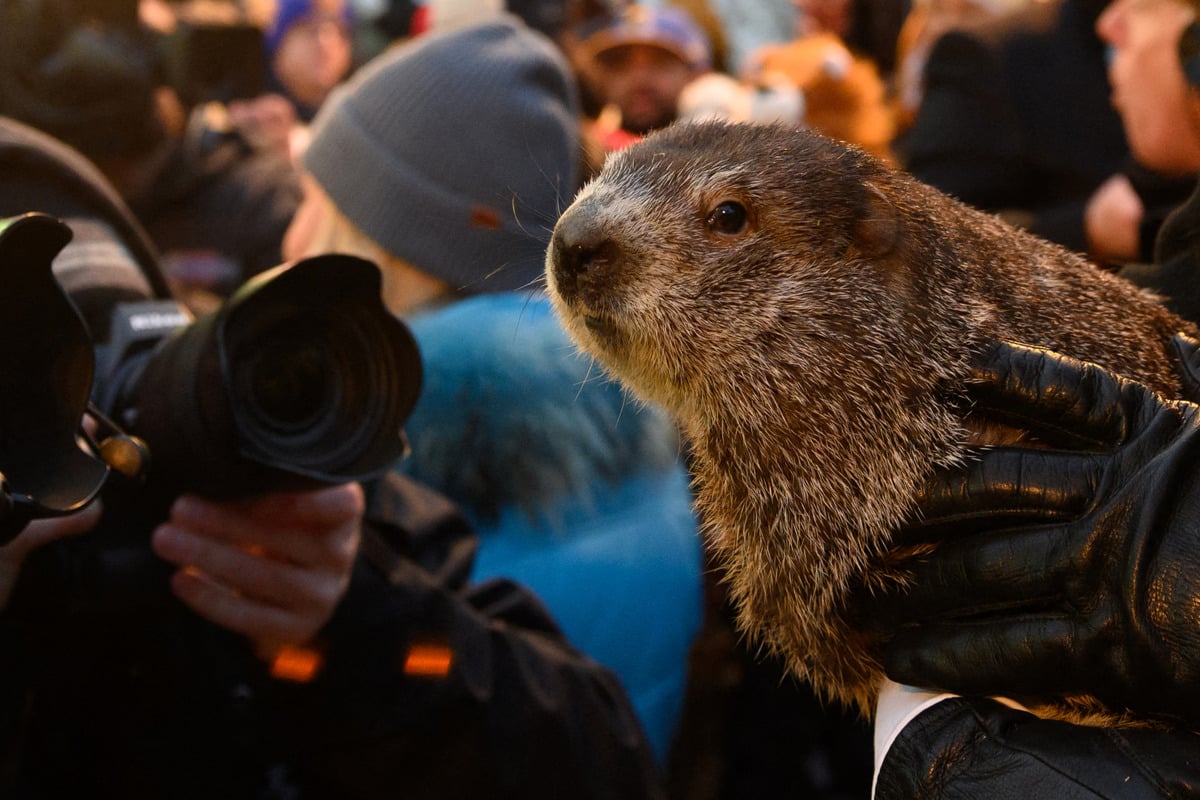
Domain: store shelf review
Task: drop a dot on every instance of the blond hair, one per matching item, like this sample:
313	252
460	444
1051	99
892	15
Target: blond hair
405	287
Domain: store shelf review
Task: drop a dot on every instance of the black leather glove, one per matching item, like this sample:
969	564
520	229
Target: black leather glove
1074	569
970	748
1187	354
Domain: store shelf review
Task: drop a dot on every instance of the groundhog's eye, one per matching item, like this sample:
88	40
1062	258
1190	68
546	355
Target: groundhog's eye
729	217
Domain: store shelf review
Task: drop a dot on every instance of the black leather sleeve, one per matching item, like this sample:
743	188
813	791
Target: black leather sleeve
979	748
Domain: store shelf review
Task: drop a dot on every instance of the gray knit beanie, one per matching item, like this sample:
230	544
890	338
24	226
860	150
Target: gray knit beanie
456	152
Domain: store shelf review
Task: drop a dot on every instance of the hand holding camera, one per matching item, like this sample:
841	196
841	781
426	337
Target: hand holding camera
250	430
272	568
38	533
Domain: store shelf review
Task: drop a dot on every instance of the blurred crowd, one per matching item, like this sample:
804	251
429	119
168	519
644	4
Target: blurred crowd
195	108
440	140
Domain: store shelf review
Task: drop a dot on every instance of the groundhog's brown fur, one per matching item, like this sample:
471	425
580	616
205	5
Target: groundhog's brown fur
815	357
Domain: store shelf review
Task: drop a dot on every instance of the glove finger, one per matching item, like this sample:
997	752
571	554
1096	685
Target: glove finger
1023	655
1003	488
1066	403
987	575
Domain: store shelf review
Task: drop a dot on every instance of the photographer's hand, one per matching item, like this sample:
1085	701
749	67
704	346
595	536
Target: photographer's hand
273	568
39	533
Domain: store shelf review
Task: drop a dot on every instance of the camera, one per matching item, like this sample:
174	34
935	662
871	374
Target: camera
302	378
46	365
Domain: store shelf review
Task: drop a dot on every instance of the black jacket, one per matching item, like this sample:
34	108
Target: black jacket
113	689
968	748
1175	272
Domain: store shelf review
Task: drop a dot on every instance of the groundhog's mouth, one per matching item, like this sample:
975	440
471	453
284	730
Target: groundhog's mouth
599	327
605	332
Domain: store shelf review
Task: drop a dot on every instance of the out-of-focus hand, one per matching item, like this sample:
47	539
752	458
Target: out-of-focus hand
1112	220
272	568
38	533
267	121
41	532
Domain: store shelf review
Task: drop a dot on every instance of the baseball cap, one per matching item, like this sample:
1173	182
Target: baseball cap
668	28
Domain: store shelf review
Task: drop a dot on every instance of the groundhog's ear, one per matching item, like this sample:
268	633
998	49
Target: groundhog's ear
877	228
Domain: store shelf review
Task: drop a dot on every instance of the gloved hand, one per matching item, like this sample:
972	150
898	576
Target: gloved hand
1074	569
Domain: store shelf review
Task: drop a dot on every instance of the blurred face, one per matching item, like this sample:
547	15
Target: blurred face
1161	114
823	16
644	82
314	56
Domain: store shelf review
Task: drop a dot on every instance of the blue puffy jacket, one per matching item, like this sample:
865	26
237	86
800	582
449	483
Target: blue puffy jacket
577	491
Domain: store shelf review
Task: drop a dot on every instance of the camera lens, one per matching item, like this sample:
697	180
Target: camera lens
289	383
308	393
301	376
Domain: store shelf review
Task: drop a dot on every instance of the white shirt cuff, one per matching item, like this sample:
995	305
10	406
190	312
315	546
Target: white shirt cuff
897	706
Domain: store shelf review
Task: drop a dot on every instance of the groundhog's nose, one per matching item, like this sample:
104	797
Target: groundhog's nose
581	251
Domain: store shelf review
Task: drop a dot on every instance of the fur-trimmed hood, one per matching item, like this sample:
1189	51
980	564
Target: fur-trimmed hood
512	416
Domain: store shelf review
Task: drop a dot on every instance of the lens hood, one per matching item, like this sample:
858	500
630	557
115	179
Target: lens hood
46	363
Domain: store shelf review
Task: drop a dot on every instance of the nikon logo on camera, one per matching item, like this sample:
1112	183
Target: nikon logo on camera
158	320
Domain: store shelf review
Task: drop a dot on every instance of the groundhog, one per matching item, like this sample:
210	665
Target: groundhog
809	314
